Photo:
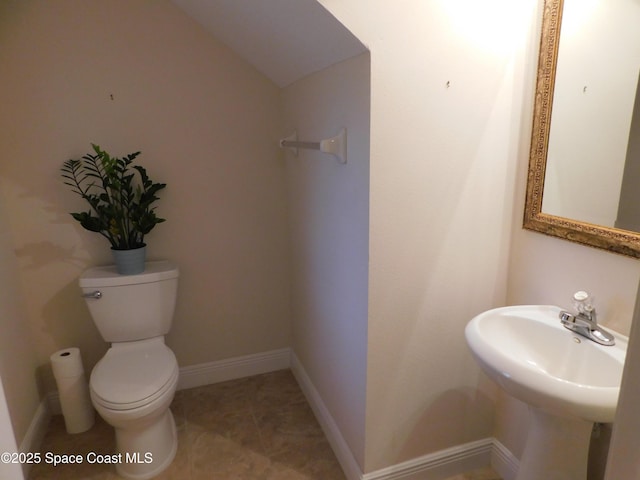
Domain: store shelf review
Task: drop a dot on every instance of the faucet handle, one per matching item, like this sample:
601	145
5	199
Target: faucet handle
580	296
583	302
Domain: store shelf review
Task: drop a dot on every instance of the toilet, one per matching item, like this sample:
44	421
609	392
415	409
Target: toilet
134	383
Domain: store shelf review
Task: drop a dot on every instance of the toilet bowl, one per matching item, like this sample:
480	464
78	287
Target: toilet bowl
134	383
132	387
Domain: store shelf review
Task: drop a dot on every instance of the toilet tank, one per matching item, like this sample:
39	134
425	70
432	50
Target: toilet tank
131	307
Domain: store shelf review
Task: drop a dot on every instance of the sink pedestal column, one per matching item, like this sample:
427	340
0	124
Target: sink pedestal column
557	448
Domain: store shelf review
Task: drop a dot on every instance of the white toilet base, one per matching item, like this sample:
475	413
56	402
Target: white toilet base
148	451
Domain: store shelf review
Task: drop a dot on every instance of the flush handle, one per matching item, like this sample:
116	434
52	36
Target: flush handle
97	295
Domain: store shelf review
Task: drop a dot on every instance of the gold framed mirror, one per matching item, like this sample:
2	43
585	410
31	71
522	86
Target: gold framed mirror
536	215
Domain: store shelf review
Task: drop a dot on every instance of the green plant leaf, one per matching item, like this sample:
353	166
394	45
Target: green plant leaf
120	205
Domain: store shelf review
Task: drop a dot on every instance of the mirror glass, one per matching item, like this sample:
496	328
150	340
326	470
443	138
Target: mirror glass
584	178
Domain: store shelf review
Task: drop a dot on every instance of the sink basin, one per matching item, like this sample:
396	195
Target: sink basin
568	381
527	351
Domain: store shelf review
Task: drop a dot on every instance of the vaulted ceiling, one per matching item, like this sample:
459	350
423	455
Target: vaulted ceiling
284	39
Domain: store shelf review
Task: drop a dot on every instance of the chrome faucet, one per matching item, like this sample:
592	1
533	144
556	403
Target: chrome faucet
585	323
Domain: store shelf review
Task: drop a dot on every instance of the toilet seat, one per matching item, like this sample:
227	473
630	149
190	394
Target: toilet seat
134	374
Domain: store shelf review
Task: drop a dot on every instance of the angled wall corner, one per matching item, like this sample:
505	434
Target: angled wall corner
286	40
329	218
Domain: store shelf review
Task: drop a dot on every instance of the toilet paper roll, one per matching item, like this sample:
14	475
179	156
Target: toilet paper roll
73	390
67	363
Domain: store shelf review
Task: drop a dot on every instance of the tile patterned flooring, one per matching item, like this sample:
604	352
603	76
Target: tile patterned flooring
255	428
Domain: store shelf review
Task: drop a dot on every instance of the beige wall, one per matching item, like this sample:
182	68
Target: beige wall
143	76
448	167
329	211
623	461
446	99
450	108
7	440
17	353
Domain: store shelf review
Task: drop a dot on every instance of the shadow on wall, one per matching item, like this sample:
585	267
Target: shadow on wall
50	214
466	413
49	272
39	254
598	451
66	312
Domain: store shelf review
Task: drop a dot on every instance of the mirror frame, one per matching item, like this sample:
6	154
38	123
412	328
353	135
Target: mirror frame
612	239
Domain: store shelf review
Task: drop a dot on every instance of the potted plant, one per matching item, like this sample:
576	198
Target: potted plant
120	206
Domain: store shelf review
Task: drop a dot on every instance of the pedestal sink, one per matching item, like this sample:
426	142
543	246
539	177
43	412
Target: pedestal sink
568	381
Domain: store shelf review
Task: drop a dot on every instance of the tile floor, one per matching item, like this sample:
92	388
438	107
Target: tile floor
257	428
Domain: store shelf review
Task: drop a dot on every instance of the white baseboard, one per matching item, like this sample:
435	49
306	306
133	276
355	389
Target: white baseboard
434	466
453	461
232	368
53	401
439	465
215	372
503	461
343	453
36	432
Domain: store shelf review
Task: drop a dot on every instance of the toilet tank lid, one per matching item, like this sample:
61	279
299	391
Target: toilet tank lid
108	277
